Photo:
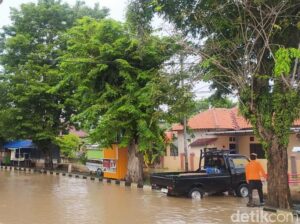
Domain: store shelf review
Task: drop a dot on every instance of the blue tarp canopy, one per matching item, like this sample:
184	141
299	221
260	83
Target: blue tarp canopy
19	144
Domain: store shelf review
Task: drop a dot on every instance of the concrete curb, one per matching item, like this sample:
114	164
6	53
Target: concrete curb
270	209
281	211
79	176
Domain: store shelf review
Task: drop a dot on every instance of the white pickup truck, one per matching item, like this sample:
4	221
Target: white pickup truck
95	166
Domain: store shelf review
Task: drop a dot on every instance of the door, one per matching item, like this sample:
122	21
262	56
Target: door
232	146
293	165
258	149
237	167
219	182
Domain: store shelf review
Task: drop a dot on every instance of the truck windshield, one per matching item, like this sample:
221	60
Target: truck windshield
240	162
95	161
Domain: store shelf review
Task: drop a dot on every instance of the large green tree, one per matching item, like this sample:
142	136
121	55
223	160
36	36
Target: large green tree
117	86
252	48
29	51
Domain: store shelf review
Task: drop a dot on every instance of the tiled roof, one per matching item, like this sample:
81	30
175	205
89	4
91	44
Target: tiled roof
219	118
239	120
203	141
215	118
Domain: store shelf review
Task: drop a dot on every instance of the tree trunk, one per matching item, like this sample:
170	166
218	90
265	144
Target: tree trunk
46	146
135	164
50	153
279	195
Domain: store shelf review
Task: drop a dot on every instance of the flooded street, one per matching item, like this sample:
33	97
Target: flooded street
35	198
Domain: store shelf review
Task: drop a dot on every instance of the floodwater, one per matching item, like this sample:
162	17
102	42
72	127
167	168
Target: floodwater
27	198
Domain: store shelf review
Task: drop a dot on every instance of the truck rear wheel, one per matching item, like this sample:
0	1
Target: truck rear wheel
99	172
242	191
196	193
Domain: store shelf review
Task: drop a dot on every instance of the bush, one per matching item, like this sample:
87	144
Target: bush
69	145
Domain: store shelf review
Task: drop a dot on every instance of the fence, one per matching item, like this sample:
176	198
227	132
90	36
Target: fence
294	178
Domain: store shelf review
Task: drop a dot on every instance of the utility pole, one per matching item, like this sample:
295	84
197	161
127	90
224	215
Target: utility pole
186	164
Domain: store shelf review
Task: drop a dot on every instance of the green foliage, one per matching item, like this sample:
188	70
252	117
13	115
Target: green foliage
68	144
6	160
278	108
83	158
180	102
138	16
118	88
152	156
213	101
284	58
30	49
227	29
227	26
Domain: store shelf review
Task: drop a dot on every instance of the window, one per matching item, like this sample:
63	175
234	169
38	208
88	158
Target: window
215	161
231	139
173	150
251	139
258	149
99	161
207	149
232	146
239	162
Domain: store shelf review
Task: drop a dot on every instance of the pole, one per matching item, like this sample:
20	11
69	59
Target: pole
19	158
186	164
185	145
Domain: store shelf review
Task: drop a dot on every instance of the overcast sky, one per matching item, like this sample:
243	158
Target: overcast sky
117	8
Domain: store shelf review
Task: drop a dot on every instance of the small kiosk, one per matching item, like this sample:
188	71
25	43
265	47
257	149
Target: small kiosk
19	152
115	162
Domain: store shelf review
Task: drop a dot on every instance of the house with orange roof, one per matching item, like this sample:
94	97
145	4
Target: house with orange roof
221	128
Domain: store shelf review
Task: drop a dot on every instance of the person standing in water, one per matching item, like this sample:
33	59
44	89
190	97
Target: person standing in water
254	172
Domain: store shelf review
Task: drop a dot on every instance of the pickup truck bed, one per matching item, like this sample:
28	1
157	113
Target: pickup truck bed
182	183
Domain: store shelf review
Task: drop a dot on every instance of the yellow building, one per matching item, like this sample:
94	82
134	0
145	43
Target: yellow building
115	162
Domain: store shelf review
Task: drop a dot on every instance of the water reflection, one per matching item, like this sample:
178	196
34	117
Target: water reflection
47	199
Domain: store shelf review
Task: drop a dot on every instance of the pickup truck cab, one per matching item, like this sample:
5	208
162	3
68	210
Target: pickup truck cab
222	171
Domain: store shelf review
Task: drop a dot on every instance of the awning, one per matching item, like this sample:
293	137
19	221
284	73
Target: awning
19	144
203	141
